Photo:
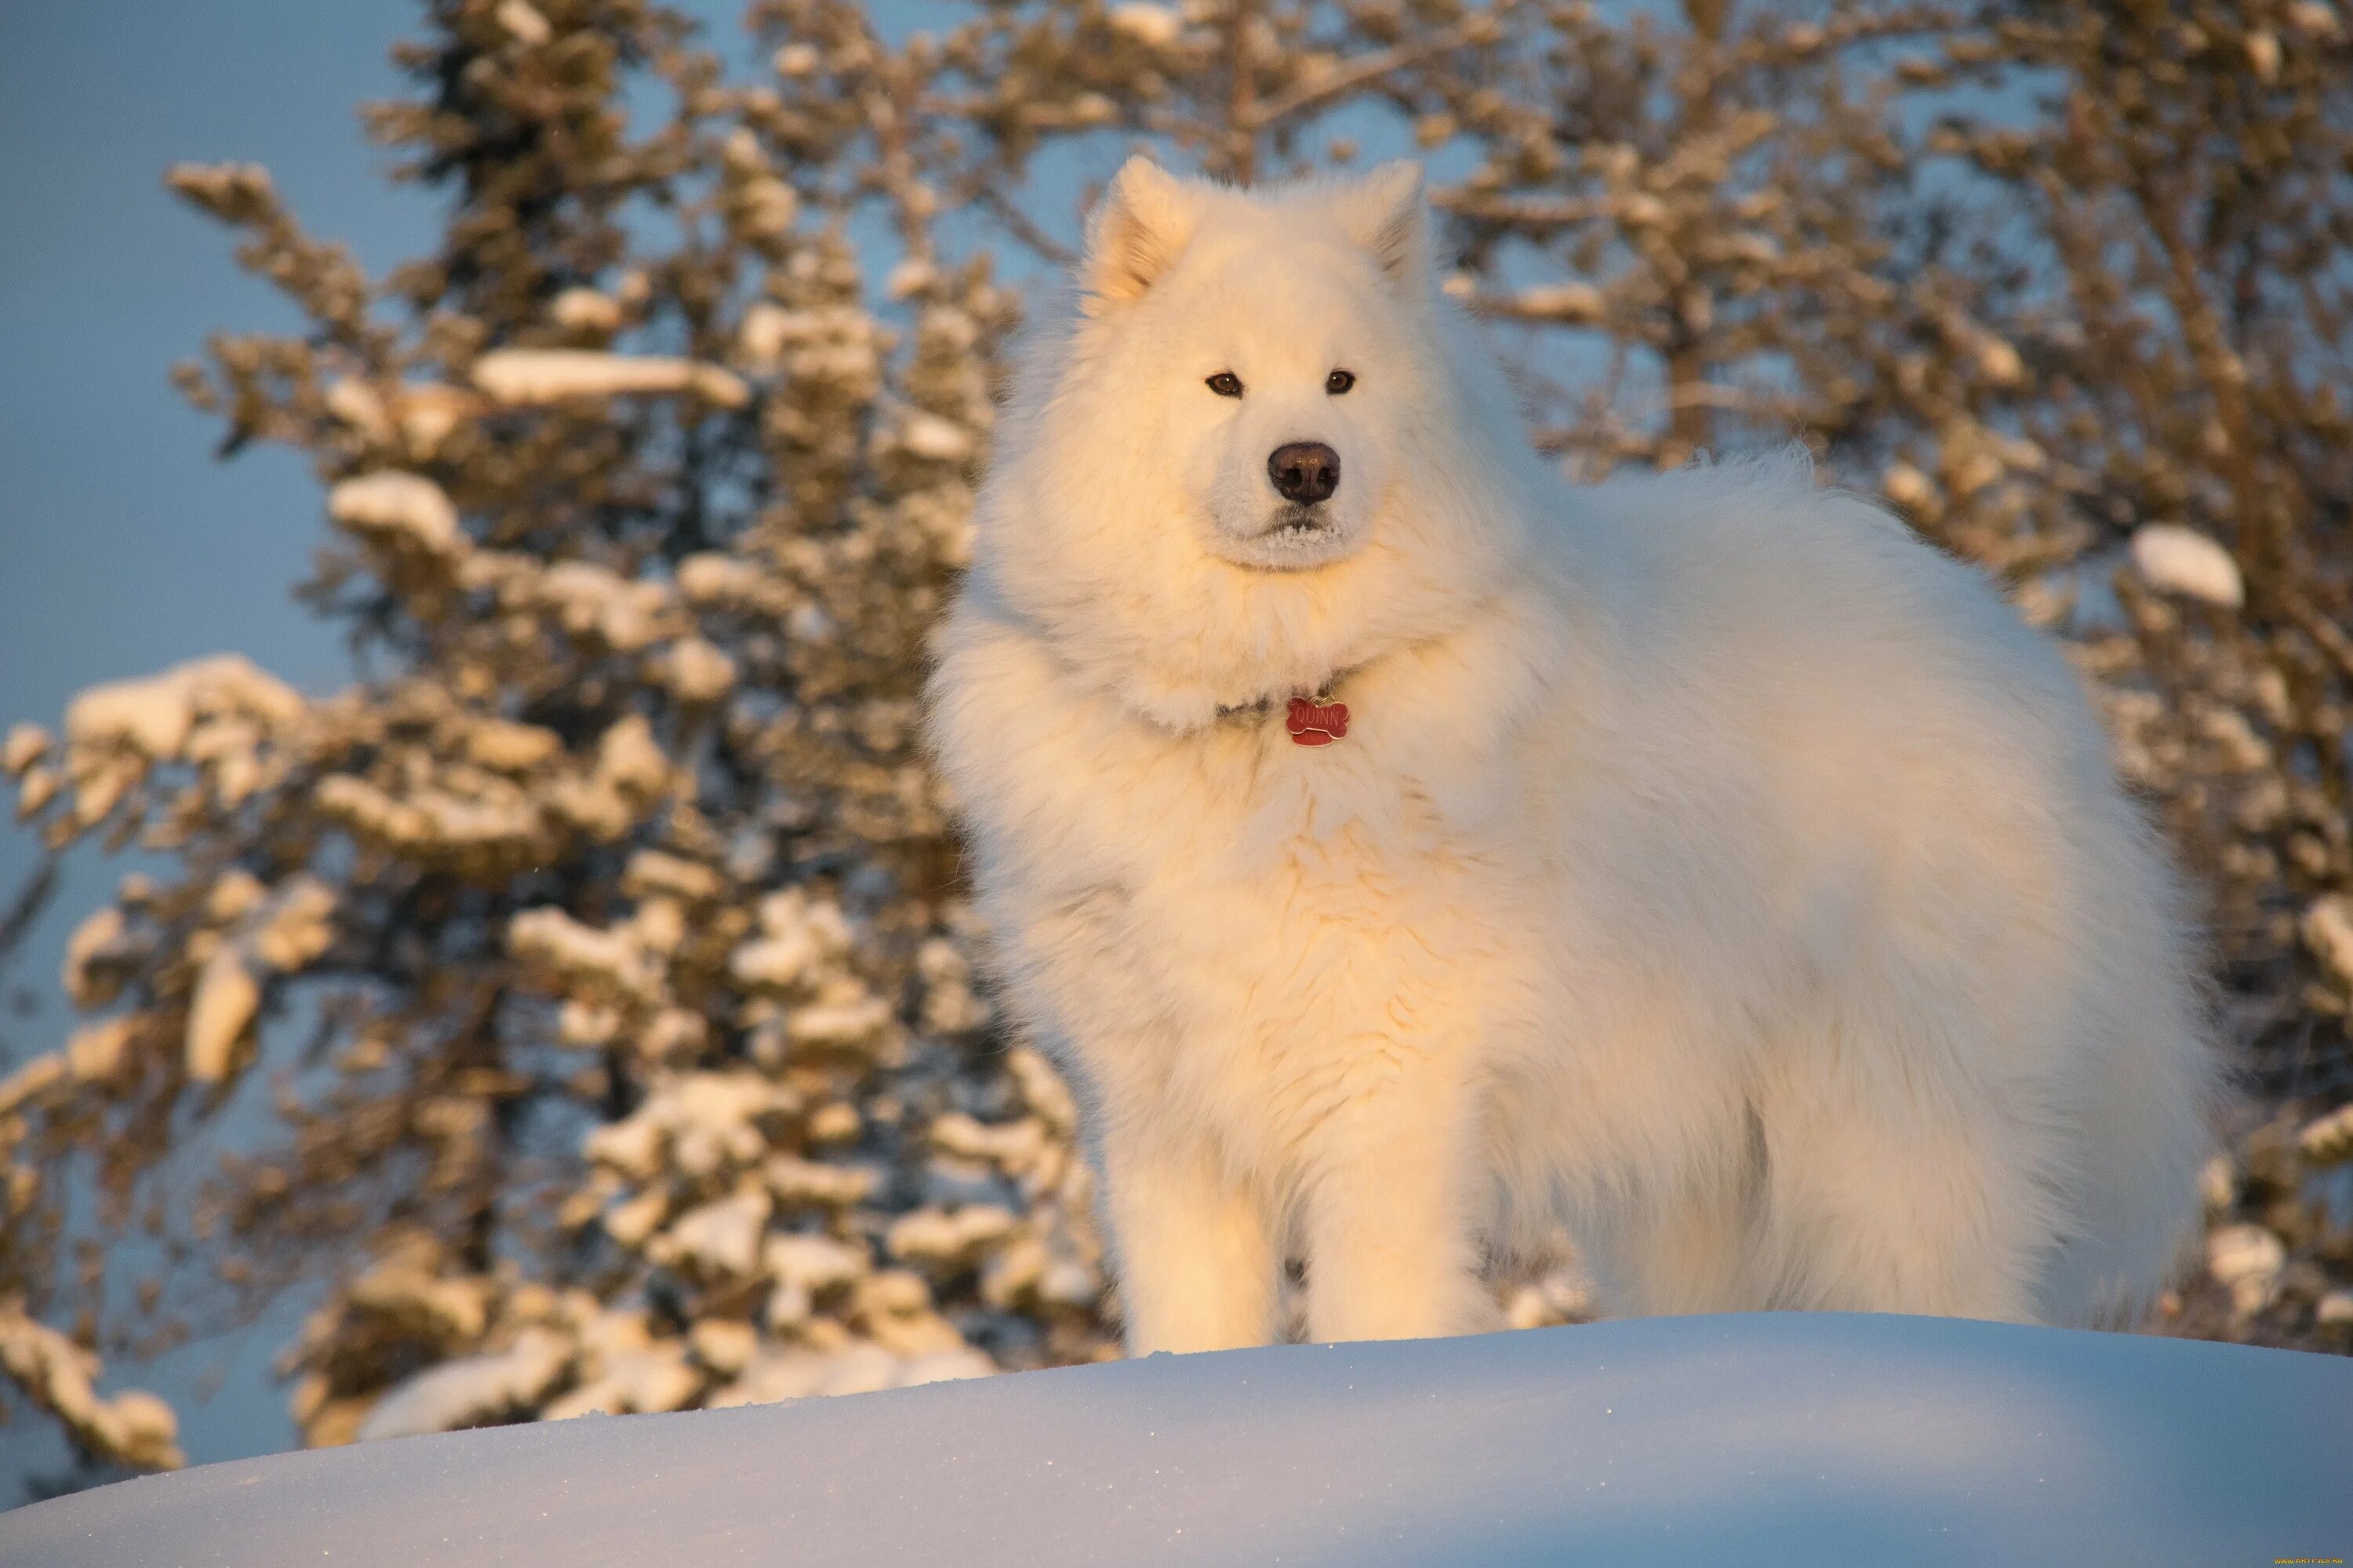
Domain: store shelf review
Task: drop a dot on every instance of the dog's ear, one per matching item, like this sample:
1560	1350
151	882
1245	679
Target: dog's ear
1384	213
1136	233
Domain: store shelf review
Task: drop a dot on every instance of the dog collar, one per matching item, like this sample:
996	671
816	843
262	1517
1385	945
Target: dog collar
1310	719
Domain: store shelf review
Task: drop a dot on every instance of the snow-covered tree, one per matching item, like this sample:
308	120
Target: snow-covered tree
596	963
600	950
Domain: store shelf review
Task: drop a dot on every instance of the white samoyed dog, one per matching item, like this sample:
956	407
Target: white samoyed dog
1412	855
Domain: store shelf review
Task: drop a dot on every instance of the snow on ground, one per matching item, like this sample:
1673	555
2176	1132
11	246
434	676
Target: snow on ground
1785	1439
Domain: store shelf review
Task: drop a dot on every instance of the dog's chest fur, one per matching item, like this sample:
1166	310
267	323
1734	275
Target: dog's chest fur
1247	931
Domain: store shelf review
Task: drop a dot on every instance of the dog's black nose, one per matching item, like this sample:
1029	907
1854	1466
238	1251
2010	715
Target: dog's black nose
1305	472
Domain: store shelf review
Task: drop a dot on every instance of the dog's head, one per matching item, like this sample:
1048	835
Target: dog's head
1263	448
1267	341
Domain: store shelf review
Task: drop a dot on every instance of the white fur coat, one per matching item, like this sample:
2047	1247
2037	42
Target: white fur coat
1709	867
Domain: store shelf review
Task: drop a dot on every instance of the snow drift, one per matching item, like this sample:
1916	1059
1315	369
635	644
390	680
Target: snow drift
1786	1440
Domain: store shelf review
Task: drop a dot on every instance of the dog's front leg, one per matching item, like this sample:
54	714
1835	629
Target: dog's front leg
1391	1244
1197	1266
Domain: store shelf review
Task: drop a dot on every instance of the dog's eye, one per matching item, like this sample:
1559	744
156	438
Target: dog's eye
1225	384
1339	381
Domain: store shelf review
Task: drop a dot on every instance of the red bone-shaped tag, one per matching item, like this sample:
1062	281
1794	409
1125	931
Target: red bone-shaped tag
1316	724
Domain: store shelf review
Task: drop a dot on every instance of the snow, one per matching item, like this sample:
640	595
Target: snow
914	275
838	1021
765	208
708	1120
2329	1138
57	1372
406	1287
797	935
585	310
427	411
590	599
930	436
293	926
629	759
653	1378
814	1263
2183	561
26	744
859	1369
2248	1259
1560	302
397	507
613	959
228	996
712	577
522	21
808	1182
651	872
153	716
532	375
356	403
471	1388
768	330
2000	361
1782	1439
506	746
2263	54
94	951
696	671
720	1238
96	1052
1155	26
38	787
2328	931
34	1080
946	1236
